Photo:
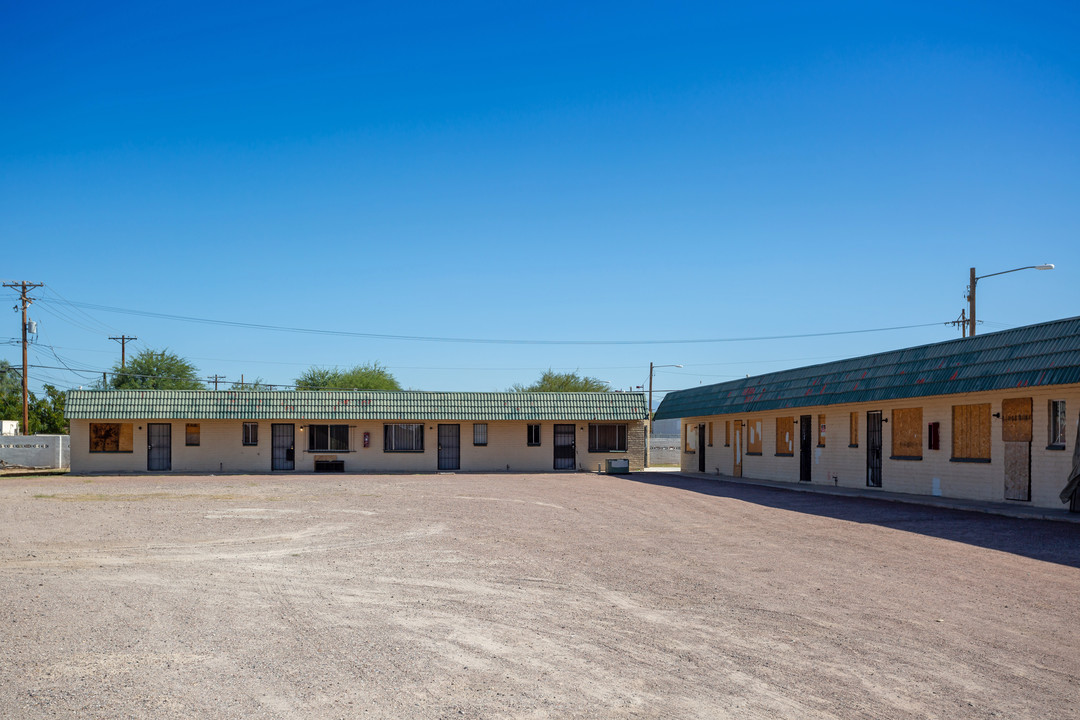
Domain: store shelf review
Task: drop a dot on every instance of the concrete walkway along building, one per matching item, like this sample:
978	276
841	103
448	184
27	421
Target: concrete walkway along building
352	431
991	418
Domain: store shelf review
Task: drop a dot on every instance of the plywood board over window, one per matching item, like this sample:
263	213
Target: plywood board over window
753	437
853	429
971	433
907	434
785	436
727	433
111	437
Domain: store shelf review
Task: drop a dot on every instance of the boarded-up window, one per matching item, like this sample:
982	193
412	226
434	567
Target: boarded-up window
853	430
753	437
971	432
821	431
785	436
727	433
710	434
191	434
907	434
111	437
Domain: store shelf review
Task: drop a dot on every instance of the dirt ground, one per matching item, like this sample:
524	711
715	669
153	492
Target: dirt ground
538	596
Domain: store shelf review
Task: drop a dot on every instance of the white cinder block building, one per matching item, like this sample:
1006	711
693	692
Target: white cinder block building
351	431
992	418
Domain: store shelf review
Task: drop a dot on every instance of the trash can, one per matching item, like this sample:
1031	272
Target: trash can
617	466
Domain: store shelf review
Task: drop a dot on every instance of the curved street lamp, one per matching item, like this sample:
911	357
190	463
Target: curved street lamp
976	278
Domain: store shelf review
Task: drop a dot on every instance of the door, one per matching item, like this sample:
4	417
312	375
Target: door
736	447
806	432
873	449
449	447
1016	436
159	446
282	446
701	447
565	455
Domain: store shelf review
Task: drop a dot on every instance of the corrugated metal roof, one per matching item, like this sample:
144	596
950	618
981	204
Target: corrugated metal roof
350	405
1035	355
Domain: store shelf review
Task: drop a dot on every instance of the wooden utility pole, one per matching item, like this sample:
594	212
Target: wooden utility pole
23	288
123	340
215	379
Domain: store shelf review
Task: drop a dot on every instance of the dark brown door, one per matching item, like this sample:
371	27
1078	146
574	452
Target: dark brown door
806	433
736	447
701	447
873	449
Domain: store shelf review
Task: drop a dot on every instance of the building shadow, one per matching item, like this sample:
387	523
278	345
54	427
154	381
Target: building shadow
1047	540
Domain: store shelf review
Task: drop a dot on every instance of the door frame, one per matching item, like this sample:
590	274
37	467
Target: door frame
150	440
874	443
290	452
572	457
453	431
806	437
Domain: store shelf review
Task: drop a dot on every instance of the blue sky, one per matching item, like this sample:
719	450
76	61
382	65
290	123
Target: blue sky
532	171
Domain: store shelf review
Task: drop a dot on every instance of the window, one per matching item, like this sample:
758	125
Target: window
821	431
690	438
753	437
607	438
403	437
251	433
192	434
479	434
710	434
328	438
853	429
907	434
111	437
971	433
533	435
727	433
1056	434
933	436
785	432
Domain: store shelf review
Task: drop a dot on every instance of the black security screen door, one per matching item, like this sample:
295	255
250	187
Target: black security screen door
873	449
449	447
282	450
564	447
806	429
159	446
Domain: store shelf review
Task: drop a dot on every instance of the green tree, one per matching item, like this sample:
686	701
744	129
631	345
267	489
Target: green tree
10	392
360	377
47	413
551	381
156	370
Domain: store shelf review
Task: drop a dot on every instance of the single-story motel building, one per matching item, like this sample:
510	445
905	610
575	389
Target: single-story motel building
211	431
990	418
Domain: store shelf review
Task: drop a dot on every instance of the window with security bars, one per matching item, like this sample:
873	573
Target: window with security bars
328	438
479	434
607	438
533	435
403	437
1057	425
251	433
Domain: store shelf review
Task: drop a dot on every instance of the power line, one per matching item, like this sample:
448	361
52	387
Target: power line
485	341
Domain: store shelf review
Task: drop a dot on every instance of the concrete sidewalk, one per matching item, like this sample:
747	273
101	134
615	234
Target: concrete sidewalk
1007	509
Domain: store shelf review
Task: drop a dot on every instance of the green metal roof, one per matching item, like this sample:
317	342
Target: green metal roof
350	405
1031	356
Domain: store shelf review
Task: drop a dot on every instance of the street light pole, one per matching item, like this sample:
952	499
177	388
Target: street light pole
974	279
648	438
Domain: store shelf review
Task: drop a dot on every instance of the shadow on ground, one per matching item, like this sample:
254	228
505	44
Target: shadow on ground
1055	542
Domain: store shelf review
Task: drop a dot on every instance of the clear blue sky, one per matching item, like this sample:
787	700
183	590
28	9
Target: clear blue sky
533	171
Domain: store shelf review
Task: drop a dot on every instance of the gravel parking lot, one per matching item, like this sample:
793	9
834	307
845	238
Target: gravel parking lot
538	596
